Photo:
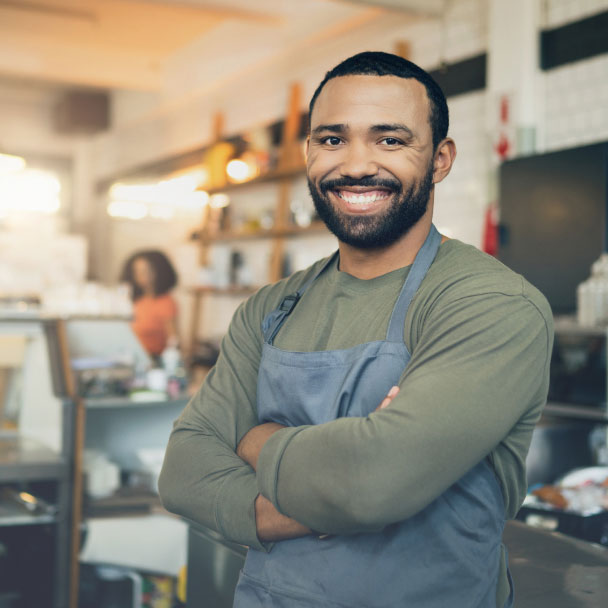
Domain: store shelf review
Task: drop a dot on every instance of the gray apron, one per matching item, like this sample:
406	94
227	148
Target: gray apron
448	554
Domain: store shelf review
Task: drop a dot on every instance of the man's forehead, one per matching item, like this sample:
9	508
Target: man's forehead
371	97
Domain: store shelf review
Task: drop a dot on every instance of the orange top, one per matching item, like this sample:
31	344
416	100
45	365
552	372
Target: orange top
152	317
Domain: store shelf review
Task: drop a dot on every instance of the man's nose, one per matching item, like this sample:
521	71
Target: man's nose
358	162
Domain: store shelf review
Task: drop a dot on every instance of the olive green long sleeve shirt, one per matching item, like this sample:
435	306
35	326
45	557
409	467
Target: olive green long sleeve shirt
480	338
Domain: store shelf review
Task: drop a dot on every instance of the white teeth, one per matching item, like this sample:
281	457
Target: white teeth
362	198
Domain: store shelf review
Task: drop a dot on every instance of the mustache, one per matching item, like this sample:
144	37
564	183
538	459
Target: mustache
365	182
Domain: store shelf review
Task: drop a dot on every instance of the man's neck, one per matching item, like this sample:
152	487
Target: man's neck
370	263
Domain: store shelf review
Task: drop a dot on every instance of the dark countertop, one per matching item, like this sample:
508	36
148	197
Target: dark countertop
553	570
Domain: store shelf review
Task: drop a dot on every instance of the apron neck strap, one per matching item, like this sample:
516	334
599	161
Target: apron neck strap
276	318
422	262
424	258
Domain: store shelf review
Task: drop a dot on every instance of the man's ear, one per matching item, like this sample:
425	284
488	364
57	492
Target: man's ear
444	159
306	147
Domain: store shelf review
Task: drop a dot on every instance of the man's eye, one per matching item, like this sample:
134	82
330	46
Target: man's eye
391	141
331	140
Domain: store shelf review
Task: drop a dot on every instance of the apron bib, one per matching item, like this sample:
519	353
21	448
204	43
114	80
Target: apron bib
448	554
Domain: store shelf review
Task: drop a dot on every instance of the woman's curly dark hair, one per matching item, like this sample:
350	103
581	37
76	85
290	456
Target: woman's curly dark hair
165	277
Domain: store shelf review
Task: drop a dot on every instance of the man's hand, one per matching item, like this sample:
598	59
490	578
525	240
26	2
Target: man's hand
386	401
253	441
273	526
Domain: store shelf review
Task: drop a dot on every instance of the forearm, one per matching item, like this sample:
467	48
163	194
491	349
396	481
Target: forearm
206	482
273	526
202	477
270	524
361	474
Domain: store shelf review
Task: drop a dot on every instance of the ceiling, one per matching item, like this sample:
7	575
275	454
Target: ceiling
126	44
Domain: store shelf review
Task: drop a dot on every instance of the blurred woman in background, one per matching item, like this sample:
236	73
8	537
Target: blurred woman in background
152	277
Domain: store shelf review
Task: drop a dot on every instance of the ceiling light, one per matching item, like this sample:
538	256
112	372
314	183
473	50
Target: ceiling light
238	170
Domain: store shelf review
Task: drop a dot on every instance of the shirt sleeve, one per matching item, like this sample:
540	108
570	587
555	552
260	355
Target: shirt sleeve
480	364
202	477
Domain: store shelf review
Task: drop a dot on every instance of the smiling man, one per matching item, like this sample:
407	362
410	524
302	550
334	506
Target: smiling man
365	428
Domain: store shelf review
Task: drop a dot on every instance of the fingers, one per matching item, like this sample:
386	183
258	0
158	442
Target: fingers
391	395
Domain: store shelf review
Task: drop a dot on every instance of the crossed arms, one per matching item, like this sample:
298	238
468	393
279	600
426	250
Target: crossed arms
468	385
270	524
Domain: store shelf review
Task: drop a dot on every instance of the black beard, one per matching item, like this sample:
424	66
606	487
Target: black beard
379	230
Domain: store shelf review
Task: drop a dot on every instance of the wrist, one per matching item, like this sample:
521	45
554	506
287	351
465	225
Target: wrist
253	441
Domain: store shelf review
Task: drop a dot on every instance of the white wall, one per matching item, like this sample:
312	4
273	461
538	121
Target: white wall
259	95
575	104
26	120
561	12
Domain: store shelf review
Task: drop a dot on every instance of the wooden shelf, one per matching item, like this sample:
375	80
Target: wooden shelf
580	412
270	176
314	228
235	291
569	325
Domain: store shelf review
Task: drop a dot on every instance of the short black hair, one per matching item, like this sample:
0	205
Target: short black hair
375	63
165	277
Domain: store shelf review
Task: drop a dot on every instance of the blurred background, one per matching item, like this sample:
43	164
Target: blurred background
152	177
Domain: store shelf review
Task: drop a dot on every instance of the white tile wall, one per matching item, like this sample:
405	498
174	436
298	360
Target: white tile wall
576	103
460	200
560	12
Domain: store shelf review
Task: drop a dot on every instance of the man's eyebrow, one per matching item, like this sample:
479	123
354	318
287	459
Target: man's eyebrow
337	128
398	127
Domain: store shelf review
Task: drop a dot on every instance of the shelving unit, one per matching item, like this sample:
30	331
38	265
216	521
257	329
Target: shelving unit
111	425
37	540
278	174
290	167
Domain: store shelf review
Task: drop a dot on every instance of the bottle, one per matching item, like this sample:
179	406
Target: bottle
170	358
173	365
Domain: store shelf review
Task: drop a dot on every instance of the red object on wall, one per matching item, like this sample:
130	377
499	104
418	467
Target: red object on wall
503	147
490	231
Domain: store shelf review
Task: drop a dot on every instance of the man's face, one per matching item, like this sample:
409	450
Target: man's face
370	158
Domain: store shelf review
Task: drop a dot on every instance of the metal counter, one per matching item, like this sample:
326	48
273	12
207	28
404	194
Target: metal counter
550	570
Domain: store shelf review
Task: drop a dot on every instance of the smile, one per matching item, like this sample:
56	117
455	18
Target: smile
362	198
